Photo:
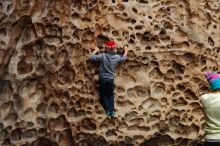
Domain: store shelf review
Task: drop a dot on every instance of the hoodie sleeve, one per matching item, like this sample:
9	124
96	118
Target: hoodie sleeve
123	58
204	99
94	57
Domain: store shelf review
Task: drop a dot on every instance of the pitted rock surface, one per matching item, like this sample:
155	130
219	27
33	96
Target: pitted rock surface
48	88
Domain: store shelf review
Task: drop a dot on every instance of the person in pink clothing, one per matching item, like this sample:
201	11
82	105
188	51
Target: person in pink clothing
211	108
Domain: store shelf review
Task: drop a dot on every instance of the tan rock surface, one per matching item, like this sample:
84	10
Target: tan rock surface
48	89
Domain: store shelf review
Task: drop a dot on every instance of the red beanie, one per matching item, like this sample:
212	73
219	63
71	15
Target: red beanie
110	44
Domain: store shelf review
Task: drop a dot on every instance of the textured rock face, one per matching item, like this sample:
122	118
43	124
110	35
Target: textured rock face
48	89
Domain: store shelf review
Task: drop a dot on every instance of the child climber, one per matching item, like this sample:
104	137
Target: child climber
108	61
211	104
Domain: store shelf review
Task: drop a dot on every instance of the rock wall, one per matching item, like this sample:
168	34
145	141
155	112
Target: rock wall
48	89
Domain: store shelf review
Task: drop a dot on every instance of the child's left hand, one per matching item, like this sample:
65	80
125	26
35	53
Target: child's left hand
96	50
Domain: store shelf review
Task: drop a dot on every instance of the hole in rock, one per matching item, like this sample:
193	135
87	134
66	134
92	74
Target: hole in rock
122	103
133	21
158	90
30	124
2	32
148	48
120	89
81	113
156	27
100	40
75	37
41	122
138	27
142	91
42	131
142	1
180	87
88	124
155	73
40	70
115	33
6	92
130	116
178	68
128	140
42	142
138	35
179	102
124	14
162	33
131	41
190	95
11	118
52	30
30	133
72	112
132	36
131	93
3	134
66	75
134	10
122	125
151	103
167	25
53	108
108	122
195	105
24	67
168	80
16	134
88	35
28	50
121	8
41	108
58	123
52	40
210	41
153	119
189	57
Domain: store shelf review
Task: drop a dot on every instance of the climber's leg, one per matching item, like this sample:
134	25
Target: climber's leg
103	94
211	143
110	93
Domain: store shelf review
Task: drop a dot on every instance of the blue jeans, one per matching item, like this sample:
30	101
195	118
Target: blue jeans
212	143
106	90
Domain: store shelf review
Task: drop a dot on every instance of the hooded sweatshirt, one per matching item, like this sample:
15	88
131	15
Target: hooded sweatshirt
108	62
211	104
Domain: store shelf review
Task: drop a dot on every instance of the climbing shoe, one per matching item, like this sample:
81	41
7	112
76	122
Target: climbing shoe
112	114
108	113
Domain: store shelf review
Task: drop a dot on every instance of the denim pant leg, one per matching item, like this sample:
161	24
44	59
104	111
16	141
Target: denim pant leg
103	95
106	89
110	86
212	143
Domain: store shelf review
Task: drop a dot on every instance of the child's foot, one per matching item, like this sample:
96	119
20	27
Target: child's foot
108	113
112	114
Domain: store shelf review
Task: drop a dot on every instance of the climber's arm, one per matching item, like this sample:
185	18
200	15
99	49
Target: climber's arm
94	57
124	57
126	50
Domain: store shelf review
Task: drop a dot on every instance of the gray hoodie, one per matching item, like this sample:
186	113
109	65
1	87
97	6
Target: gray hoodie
108	63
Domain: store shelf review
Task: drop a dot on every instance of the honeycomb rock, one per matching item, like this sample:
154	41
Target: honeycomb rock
48	89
